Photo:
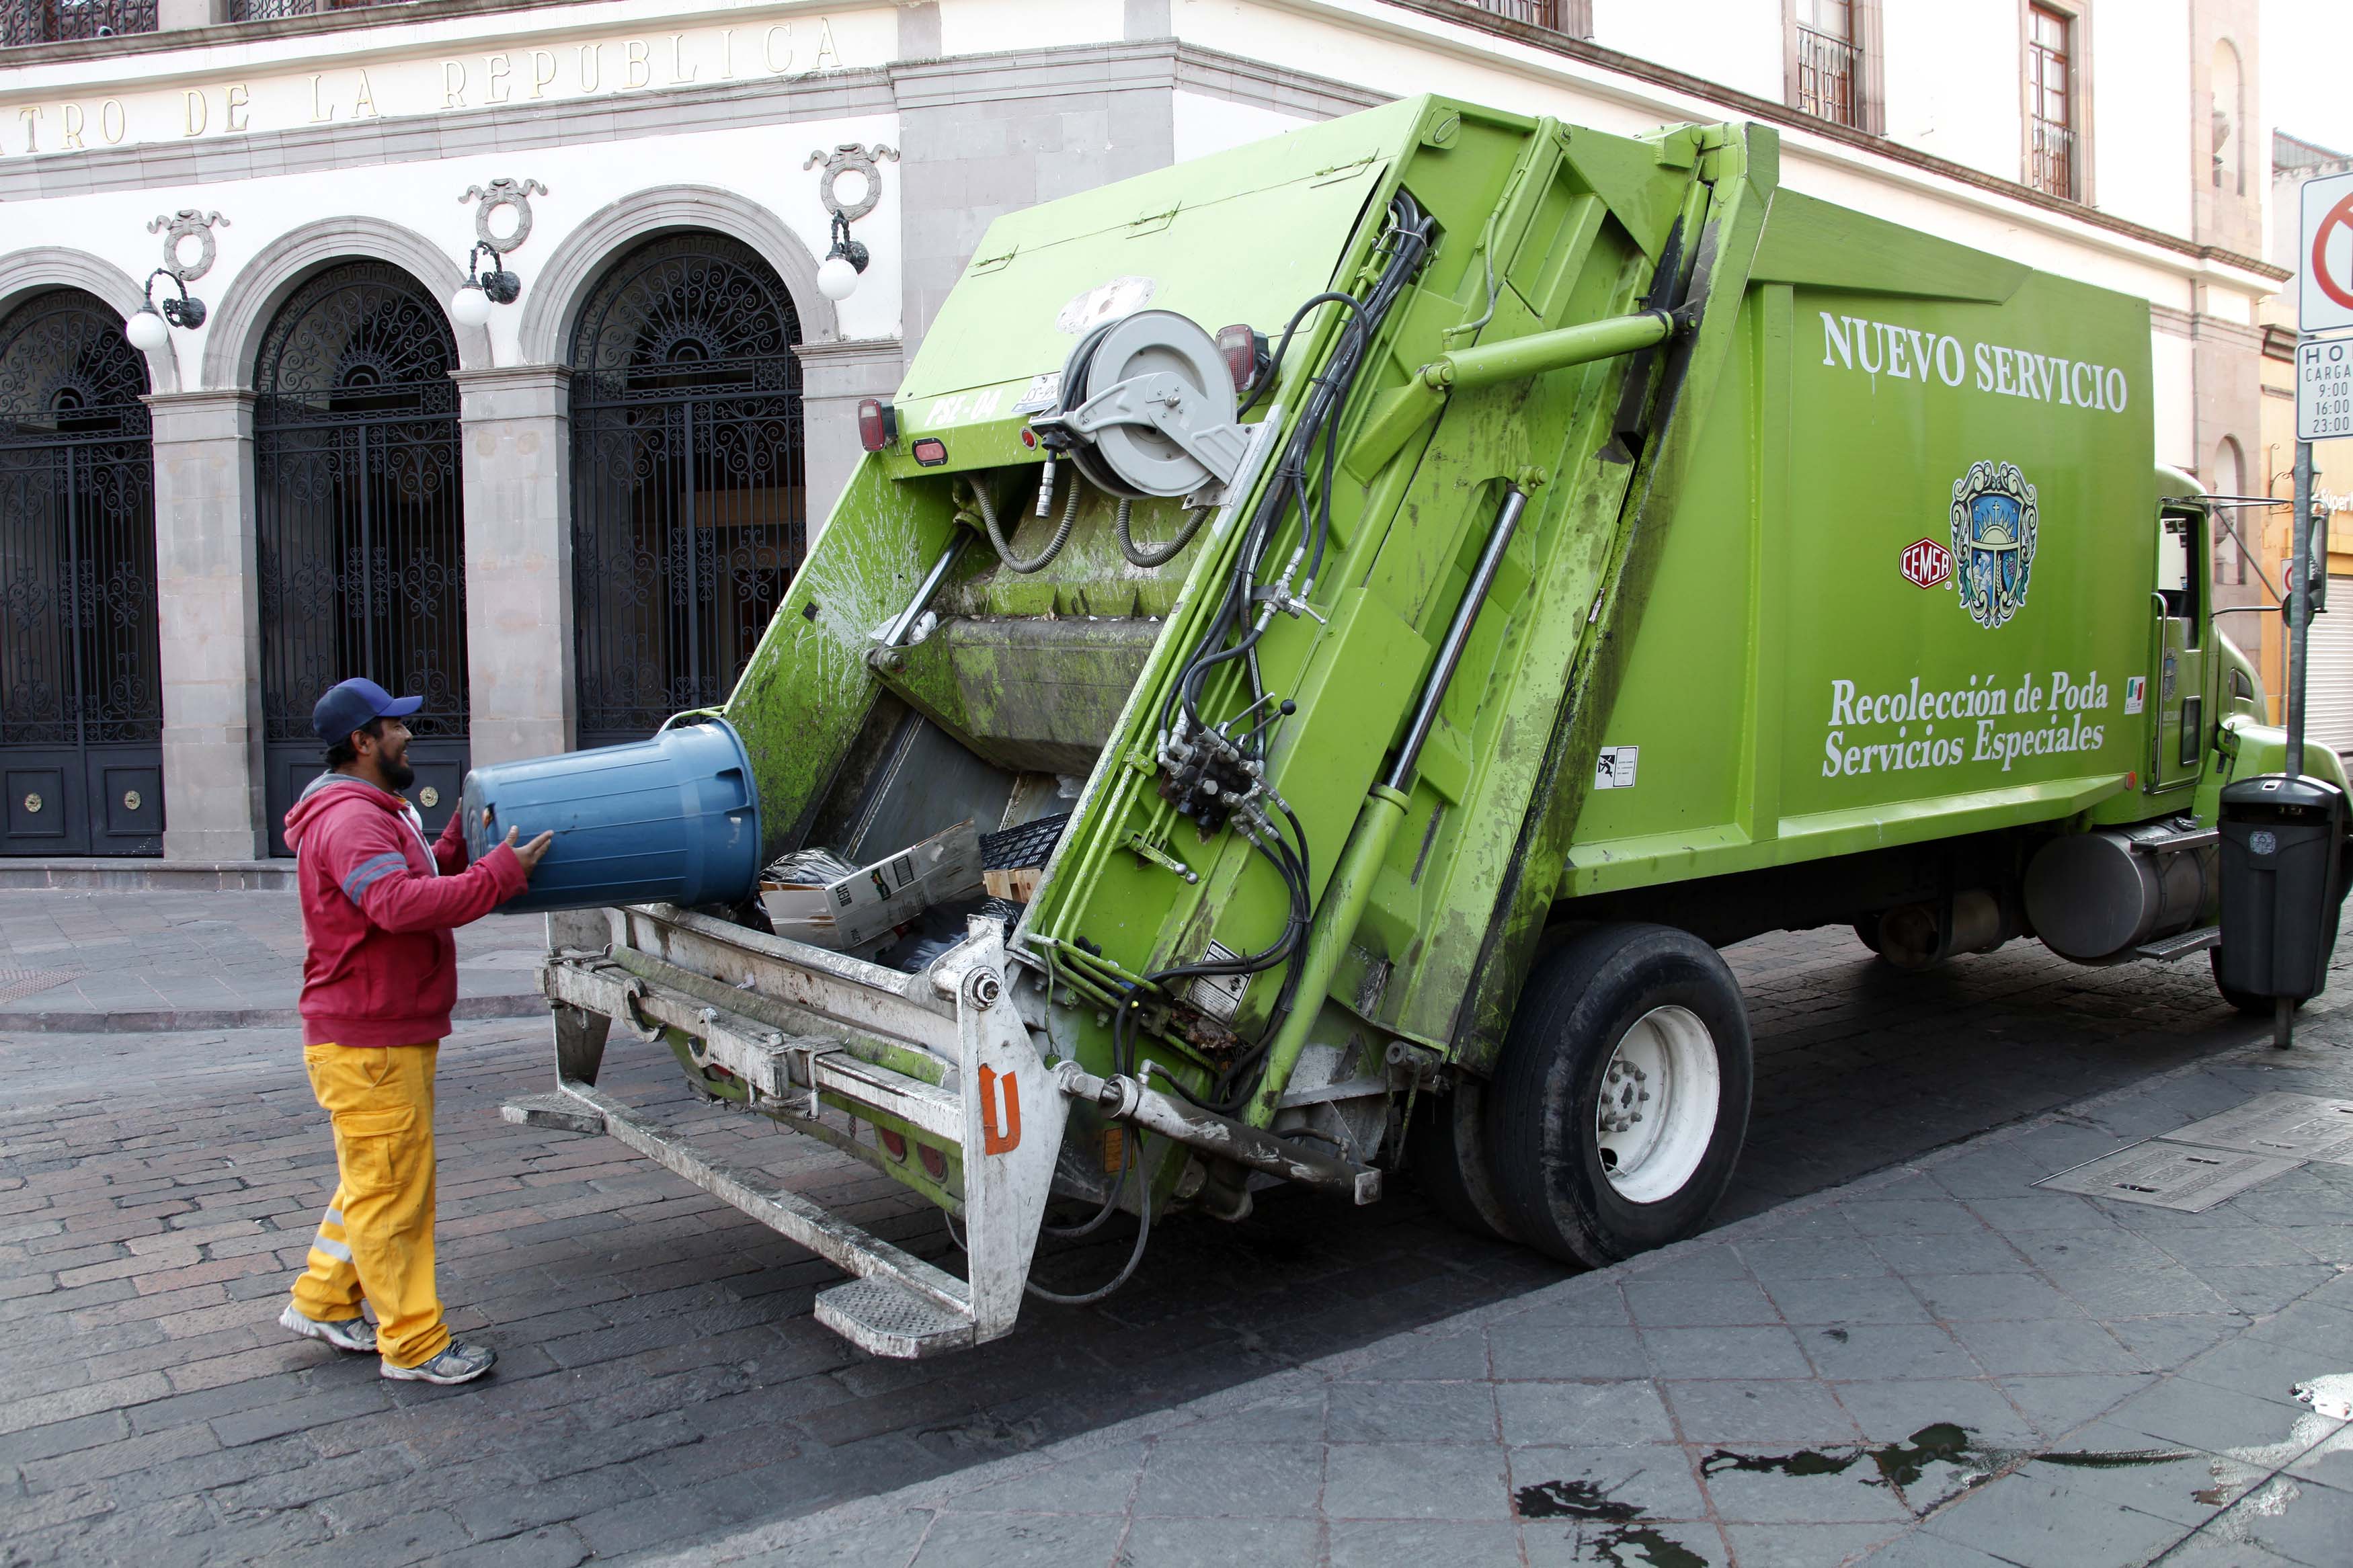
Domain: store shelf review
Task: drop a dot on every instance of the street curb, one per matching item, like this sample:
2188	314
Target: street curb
524	1005
741	1542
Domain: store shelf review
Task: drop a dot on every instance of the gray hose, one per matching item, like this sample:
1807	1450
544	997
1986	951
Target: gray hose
1162	554
1005	547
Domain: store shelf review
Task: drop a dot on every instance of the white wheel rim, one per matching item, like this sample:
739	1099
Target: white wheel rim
1660	1094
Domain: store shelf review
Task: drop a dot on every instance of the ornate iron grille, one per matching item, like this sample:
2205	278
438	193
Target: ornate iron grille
81	680
270	10
1828	71
1534	12
688	514
360	520
49	21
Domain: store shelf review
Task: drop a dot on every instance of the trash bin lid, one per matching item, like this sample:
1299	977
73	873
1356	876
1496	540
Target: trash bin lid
2276	791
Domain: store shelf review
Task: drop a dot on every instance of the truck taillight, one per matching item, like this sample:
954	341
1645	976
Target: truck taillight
1245	350
878	424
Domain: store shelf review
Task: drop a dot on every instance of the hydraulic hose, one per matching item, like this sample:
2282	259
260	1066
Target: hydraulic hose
1038	562
1157	555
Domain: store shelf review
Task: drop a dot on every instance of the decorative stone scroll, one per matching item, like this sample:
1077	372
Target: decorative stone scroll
176	227
503	193
853	157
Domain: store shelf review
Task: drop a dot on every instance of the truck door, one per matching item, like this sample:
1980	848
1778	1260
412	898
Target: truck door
2178	684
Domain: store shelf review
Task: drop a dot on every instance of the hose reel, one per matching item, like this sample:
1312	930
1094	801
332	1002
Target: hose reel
1148	408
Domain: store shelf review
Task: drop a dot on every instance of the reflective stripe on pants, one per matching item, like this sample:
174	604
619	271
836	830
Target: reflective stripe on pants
375	1241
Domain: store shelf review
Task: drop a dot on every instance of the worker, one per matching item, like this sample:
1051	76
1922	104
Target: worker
379	978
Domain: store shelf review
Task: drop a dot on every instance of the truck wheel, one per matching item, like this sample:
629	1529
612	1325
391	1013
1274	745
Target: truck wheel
1618	1106
2253	1006
1866	930
1446	1154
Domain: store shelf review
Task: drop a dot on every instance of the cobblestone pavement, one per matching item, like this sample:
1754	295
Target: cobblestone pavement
662	1382
75	960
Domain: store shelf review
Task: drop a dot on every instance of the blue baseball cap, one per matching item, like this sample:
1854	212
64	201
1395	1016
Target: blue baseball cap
356	703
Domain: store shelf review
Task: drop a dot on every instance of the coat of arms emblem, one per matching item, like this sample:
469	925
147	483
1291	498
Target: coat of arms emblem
1994	540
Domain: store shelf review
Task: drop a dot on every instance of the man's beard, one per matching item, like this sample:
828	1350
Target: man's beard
397	772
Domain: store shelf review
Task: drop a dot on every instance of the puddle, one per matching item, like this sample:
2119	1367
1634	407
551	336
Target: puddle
1902	1466
2246	1480
1626	1542
2251	1474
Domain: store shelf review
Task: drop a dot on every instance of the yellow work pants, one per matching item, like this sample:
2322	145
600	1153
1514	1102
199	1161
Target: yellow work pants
376	1242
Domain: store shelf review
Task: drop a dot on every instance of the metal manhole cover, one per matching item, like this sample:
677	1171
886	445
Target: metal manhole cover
2285	1126
2168	1176
17	983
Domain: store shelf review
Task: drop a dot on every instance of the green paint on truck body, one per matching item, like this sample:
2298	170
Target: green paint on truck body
1864	557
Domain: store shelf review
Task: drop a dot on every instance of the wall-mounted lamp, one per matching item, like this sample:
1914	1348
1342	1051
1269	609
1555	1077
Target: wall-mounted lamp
147	330
470	305
837	275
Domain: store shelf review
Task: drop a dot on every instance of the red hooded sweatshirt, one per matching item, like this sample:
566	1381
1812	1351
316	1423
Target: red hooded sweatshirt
380	967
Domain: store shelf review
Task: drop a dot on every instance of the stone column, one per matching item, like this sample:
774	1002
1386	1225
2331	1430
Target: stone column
208	598
517	439
834	377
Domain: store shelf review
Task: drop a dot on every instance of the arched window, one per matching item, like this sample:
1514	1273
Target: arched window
2228	121
2231	480
689	515
81	704
361	517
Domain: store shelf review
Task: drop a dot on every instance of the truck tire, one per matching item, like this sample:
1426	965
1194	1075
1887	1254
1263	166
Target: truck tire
1652	1016
1446	1154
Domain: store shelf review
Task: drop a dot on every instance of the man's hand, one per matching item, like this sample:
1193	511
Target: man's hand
529	854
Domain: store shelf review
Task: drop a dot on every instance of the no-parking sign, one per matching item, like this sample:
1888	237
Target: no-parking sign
2324	257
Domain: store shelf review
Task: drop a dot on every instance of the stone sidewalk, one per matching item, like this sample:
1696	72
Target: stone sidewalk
1940	1364
77	960
660	1379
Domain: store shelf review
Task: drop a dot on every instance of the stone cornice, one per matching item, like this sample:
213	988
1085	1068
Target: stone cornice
490	378
848	351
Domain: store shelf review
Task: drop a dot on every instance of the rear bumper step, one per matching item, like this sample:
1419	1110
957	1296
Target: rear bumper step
996	1104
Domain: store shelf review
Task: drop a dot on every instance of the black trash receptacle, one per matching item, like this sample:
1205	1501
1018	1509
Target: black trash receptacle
2283	884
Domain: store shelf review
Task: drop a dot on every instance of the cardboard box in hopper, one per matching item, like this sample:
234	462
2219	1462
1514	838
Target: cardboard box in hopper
862	907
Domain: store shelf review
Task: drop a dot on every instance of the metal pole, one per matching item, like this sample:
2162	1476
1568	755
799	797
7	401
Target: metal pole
2299	605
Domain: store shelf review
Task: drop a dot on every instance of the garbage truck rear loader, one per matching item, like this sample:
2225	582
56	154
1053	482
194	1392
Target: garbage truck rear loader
1328	641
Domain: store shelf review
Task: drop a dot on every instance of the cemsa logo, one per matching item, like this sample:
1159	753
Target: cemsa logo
1926	563
1994	527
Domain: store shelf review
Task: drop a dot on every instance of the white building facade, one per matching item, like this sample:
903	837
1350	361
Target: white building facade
569	520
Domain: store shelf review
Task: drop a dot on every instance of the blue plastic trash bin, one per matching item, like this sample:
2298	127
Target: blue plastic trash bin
672	819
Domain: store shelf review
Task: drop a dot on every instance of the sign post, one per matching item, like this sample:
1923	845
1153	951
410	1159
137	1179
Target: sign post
2324	403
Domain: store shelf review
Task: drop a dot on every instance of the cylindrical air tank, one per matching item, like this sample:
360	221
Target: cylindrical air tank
2097	896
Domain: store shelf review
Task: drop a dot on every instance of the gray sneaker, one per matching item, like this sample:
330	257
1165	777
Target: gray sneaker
354	1334
457	1364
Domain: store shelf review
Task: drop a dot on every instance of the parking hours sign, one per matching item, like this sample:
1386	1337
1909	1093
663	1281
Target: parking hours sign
2323	357
2324	389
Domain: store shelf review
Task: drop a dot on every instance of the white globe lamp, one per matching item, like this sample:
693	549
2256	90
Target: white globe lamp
836	278
470	306
146	330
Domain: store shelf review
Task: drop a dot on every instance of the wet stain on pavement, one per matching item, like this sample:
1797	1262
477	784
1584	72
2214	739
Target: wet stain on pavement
1626	1543
1901	1466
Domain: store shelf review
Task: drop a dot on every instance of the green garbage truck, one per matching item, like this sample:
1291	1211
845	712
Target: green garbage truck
1330	639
